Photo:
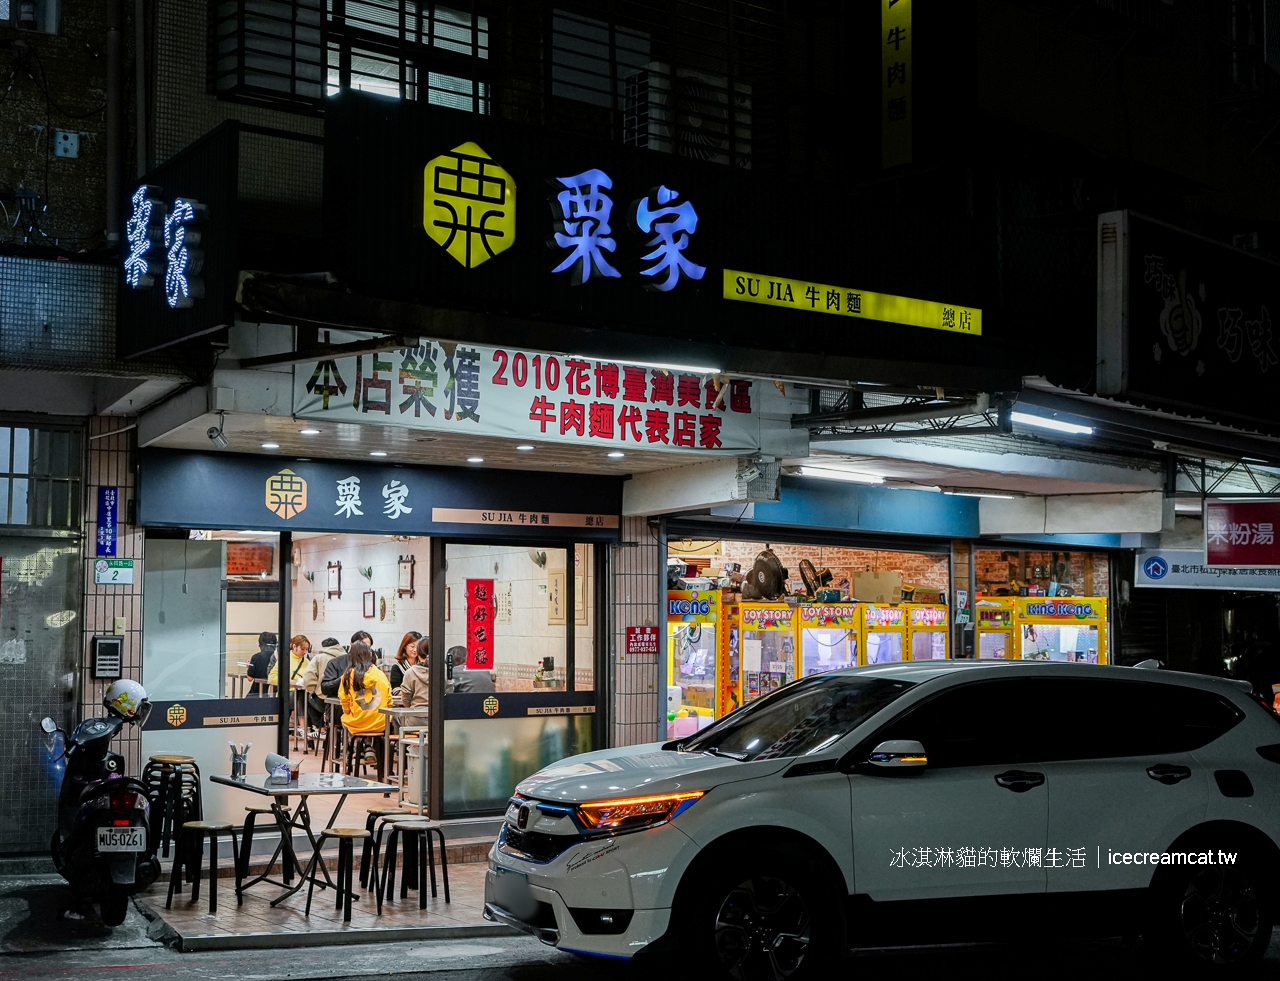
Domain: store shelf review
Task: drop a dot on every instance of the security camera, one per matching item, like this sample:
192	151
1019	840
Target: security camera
217	438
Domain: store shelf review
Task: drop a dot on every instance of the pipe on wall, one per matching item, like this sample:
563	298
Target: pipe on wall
115	122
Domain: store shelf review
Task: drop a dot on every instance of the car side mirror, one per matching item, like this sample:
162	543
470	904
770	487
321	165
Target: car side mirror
48	725
899	754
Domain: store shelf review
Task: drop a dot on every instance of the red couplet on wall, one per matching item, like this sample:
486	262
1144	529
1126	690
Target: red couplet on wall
479	624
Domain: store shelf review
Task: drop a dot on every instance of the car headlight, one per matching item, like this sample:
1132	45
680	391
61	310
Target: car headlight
635	813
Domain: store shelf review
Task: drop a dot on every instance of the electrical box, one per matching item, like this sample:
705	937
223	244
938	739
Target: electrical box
66	144
44	16
108	657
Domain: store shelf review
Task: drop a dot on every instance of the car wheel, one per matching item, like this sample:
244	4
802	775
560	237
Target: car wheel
769	922
1217	916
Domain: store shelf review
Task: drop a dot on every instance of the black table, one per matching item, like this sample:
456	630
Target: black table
306	785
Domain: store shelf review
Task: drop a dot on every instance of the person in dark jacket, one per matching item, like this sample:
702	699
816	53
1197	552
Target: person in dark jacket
335	669
260	664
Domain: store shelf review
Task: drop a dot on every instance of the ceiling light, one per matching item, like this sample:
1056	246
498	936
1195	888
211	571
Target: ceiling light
475	459
616	454
377	452
271	446
696	369
1044	422
979	493
524	447
827	473
309	432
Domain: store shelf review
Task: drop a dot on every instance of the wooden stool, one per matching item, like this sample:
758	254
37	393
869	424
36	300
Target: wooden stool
387	813
190	846
418	832
346	859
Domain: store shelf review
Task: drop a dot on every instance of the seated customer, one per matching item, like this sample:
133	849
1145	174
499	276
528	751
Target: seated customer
415	687
363	690
311	677
404	659
261	663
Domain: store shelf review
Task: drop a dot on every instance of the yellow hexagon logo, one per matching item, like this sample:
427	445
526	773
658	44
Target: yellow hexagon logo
469	205
286	494
176	715
490	706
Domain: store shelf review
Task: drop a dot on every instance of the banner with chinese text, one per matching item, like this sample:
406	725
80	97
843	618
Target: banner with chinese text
1241	534
479	624
534	396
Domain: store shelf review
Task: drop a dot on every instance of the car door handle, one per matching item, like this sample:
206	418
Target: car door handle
1019	781
1168	773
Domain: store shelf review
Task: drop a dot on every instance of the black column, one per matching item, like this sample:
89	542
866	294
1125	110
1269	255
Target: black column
284	655
435	714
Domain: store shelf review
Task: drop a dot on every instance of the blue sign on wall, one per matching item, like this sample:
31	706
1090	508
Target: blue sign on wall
108	519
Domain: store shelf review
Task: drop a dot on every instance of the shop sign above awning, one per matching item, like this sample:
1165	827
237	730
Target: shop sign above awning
1179	568
1241	534
538	397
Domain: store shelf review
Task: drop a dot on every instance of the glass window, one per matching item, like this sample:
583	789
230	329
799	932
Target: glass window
484	759
805	717
40	471
581	51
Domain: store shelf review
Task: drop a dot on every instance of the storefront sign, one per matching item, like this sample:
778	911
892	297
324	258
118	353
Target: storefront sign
113	572
480	625
824	616
642	640
841	301
562	710
200	713
533	396
523	519
196	490
245	559
883	616
1187	569
767	617
108	519
928	616
1058	610
1241	534
896	71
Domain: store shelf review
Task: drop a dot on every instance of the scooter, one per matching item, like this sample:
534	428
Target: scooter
100	845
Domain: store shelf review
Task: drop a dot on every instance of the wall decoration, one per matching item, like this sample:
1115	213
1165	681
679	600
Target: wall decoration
387	605
555	598
579	586
317	610
479	624
405	581
502	603
448	602
365	570
370	599
335	579
250	559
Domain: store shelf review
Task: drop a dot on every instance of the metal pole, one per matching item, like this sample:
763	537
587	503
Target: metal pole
435	713
284	655
115	122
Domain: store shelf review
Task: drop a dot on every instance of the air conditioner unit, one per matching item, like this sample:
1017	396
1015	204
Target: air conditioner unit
689	113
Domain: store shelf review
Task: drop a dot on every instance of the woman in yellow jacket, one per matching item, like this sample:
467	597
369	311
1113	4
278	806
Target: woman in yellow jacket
364	690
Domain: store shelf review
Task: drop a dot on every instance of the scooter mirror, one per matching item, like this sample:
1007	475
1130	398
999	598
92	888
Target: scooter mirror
48	725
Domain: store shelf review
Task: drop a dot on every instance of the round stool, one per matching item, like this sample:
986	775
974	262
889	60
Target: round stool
415	831
386	813
173	789
188	853
346	838
246	835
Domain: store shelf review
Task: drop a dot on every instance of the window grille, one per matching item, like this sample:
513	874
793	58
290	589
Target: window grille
40	477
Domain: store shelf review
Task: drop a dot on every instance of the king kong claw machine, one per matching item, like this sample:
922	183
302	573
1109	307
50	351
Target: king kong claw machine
702	658
1072	629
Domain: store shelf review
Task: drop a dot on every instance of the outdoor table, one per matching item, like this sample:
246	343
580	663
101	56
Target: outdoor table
399	712
306	785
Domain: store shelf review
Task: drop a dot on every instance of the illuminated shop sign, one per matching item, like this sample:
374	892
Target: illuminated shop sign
827	614
884	616
928	616
684	607
165	240
767	618
1078	611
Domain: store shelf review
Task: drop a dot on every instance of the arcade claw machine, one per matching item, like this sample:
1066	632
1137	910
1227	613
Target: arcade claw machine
927	632
884	628
1063	629
768	647
694	629
995	627
828	635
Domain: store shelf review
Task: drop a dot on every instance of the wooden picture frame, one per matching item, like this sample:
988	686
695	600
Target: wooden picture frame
448	597
405	566
370	604
335	579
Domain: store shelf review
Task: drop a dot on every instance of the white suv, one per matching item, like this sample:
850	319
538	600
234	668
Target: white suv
911	802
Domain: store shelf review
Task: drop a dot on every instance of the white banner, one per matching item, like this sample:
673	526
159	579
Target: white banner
534	396
1184	568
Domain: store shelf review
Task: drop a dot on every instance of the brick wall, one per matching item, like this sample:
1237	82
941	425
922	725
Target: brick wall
917	568
1088	572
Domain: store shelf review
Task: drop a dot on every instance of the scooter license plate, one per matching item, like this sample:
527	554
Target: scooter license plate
122	839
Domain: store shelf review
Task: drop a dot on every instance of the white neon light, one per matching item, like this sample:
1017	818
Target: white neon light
178	275
852	476
1044	422
138	268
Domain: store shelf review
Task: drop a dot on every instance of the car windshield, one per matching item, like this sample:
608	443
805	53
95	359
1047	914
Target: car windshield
804	717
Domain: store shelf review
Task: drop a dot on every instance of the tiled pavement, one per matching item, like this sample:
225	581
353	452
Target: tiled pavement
257	925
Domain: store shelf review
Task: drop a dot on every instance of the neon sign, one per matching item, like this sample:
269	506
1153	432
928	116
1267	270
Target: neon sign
152	226
141	232
182	284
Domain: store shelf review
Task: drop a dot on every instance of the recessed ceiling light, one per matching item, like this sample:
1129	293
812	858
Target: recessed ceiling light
377	452
309	432
524	447
616	454
271	446
475	459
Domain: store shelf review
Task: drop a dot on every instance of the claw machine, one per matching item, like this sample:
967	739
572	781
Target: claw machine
995	628
768	647
884	628
829	636
1063	629
693	655
928	633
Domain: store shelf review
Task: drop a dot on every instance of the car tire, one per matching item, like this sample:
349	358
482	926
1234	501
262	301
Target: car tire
771	919
1215	920
115	905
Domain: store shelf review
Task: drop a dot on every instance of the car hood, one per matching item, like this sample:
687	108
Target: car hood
632	770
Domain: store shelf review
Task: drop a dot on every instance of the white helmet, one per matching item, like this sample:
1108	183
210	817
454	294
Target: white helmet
128	700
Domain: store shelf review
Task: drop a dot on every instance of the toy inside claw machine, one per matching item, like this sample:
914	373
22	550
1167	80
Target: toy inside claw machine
995	627
927	632
884	629
768	647
1063	629
829	635
694	629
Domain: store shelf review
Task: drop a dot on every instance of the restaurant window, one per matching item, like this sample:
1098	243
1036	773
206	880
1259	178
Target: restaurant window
40	477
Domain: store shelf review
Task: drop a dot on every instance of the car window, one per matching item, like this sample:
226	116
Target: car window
801	718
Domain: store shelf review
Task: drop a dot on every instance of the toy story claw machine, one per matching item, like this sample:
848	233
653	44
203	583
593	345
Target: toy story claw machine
768	642
828	637
927	632
1063	629
995	629
884	628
